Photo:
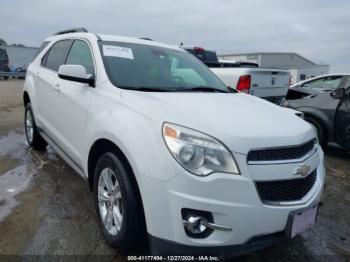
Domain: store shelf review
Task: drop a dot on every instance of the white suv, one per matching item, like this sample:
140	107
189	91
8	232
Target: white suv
168	150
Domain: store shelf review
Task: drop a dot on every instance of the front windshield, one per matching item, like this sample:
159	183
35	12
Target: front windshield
152	68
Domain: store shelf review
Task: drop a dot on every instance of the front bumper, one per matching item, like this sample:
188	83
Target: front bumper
163	247
233	201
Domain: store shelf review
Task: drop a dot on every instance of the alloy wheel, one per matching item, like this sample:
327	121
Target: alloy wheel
29	126
110	201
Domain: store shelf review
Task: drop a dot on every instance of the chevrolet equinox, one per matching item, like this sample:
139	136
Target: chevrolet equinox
173	156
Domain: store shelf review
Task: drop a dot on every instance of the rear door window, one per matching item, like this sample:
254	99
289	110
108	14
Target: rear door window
56	55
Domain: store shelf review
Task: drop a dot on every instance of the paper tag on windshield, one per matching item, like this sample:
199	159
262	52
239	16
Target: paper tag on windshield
117	51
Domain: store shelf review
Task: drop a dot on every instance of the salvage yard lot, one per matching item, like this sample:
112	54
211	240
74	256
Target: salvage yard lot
47	209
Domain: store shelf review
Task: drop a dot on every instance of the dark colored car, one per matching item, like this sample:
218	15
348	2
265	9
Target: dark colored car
210	58
326	106
4	62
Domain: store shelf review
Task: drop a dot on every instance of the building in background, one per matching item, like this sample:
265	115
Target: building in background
300	67
20	56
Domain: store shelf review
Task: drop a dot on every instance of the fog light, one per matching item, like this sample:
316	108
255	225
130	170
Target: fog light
200	224
196	222
196	225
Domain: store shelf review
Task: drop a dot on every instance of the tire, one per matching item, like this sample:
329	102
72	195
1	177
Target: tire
125	229
320	130
6	77
344	137
34	139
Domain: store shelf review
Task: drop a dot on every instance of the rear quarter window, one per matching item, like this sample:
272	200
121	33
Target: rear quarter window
41	48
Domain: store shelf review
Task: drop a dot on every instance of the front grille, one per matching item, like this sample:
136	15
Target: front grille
282	153
286	190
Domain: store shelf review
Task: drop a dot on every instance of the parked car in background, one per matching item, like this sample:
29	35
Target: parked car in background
147	125
325	103
316	85
4	62
18	71
269	84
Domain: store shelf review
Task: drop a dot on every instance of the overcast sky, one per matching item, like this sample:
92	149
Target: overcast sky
316	29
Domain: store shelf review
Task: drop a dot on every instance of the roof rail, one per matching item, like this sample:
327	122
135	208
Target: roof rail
73	30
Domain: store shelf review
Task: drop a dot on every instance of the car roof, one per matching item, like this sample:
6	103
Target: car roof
113	38
321	76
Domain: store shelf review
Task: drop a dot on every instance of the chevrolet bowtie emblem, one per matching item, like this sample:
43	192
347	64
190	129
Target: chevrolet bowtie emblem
303	170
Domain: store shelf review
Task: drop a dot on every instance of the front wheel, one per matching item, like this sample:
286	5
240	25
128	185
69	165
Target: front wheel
34	139
118	204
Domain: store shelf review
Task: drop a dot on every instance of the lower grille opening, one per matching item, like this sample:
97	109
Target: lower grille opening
286	190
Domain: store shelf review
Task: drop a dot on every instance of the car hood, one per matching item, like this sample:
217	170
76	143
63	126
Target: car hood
240	121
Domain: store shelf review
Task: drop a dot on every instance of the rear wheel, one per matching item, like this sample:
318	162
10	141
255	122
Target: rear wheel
118	205
34	139
319	129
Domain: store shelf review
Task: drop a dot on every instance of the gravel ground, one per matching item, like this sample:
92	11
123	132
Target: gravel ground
47	209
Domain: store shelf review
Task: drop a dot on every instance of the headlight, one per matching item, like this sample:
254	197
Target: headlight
198	153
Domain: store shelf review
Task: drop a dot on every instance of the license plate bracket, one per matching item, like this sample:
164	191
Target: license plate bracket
300	220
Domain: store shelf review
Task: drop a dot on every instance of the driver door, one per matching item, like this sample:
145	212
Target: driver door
342	120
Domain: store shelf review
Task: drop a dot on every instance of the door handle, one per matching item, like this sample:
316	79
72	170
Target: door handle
56	87
37	74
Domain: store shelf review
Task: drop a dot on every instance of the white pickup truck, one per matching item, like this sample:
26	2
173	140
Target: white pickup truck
269	84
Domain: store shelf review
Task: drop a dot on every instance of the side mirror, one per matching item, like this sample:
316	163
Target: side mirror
76	73
338	93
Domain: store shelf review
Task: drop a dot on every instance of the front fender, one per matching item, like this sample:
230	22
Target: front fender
137	136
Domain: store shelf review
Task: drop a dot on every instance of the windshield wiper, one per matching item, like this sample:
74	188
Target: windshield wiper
205	89
192	89
147	89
